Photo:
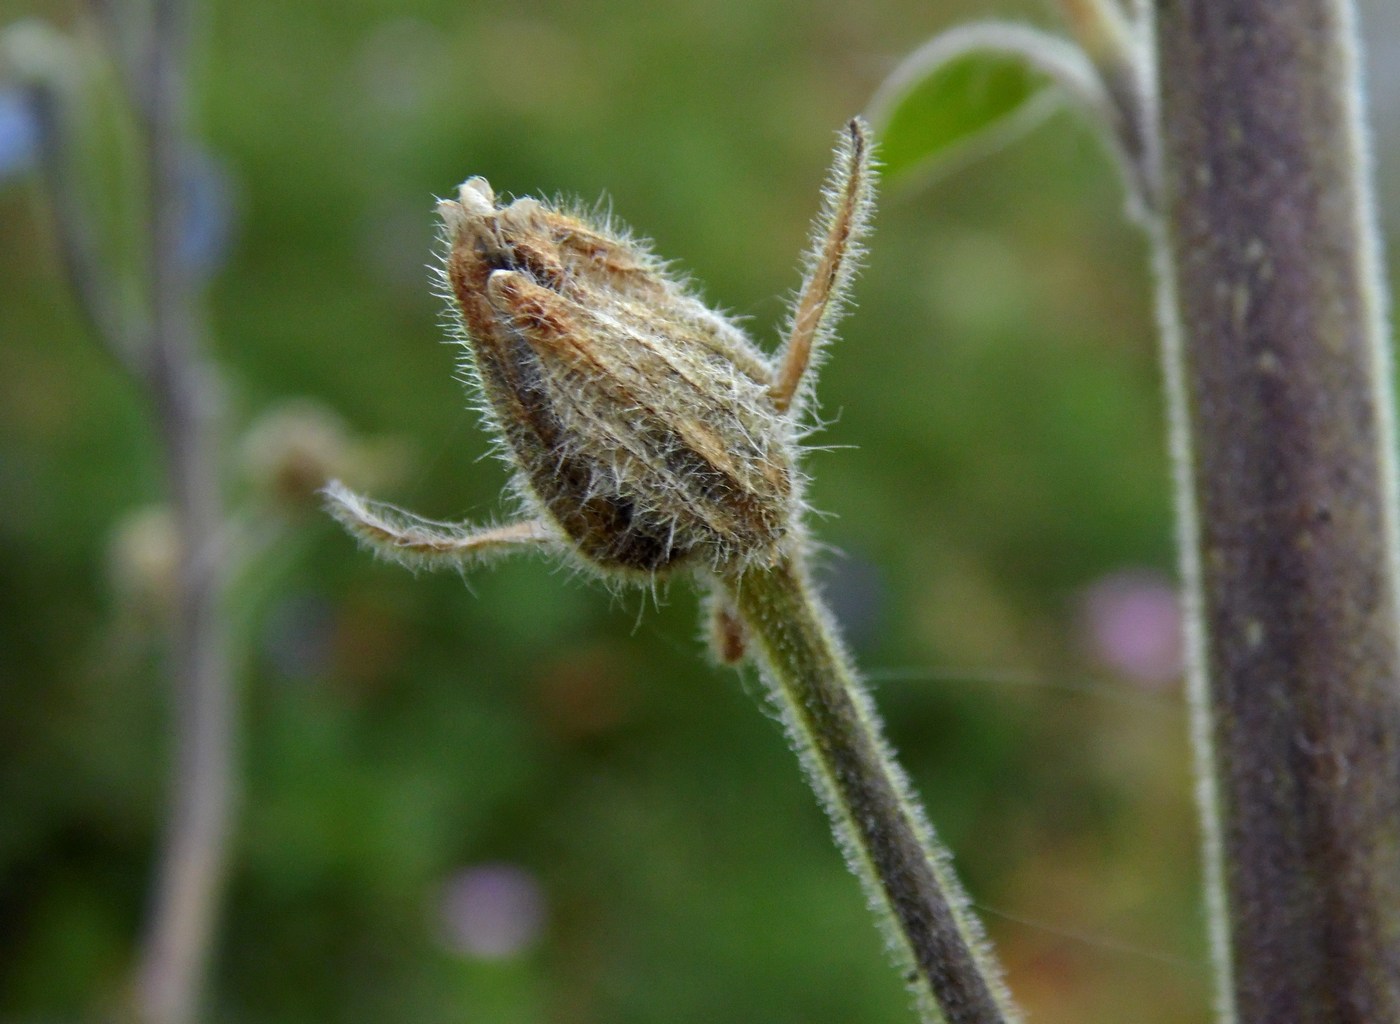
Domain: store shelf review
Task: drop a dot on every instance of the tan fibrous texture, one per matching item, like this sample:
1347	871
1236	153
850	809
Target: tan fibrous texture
639	420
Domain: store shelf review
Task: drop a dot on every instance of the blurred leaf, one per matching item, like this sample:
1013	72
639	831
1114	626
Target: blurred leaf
979	99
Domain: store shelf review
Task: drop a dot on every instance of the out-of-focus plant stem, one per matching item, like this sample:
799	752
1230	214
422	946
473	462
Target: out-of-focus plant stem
158	341
1274	313
160	345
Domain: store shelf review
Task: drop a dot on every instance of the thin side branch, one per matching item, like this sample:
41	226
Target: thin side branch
1117	46
55	80
111	323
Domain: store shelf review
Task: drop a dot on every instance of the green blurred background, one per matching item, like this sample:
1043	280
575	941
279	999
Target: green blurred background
525	799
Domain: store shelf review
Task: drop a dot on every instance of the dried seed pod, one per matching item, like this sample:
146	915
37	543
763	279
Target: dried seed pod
640	421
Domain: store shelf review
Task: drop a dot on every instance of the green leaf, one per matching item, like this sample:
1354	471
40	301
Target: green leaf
970	103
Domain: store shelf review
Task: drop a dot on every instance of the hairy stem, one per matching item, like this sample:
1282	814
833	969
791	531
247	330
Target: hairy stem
185	901
1276	347
879	824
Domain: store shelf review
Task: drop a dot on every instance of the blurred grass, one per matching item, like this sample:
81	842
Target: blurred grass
998	391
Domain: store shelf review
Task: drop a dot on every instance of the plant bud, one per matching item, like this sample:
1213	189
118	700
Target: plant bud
143	560
292	449
646	430
640	422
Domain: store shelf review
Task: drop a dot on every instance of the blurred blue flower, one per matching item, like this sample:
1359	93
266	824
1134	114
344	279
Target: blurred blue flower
19	134
211	195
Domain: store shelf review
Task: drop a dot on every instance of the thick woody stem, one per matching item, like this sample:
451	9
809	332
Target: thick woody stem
884	833
1276	347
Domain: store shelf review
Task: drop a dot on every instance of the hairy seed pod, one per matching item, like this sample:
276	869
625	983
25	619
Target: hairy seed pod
640	421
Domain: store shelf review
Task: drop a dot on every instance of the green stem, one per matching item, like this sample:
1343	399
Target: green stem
878	823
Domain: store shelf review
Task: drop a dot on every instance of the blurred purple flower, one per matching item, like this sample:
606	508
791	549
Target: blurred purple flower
1130	622
492	911
19	134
